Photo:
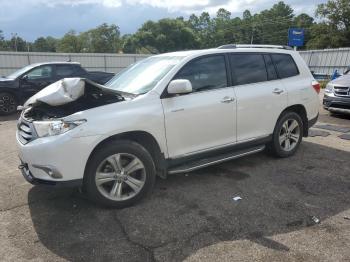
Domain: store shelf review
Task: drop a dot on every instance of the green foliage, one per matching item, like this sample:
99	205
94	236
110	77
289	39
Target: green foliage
42	44
269	26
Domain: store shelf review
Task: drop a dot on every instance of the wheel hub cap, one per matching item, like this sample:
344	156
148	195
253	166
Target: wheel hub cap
120	176
289	135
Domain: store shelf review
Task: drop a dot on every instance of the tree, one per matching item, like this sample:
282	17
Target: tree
336	14
163	36
271	26
48	44
70	43
102	39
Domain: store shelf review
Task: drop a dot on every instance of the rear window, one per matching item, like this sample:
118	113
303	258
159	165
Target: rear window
285	65
64	70
248	68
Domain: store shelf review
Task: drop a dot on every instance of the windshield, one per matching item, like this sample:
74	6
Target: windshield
19	72
144	75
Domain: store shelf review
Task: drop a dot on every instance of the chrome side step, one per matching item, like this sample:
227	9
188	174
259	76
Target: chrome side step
214	160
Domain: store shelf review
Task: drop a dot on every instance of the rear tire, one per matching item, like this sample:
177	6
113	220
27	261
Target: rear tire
8	104
287	135
119	174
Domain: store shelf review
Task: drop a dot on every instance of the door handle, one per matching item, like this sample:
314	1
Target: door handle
277	91
227	99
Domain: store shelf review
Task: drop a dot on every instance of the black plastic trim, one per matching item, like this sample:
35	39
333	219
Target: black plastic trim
172	162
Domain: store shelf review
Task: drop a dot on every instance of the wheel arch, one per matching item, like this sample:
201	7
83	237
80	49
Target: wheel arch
301	111
143	138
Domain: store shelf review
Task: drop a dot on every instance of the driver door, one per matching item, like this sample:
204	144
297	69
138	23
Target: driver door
204	119
35	80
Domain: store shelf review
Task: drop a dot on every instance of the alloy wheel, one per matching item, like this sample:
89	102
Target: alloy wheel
7	103
289	135
120	176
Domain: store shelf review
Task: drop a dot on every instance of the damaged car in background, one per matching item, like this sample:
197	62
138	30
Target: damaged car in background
167	114
17	87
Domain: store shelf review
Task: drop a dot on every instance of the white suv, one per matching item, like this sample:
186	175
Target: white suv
170	113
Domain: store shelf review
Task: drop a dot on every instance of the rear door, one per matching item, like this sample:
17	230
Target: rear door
261	96
204	119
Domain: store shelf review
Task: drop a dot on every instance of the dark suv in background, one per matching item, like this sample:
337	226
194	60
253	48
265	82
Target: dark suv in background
16	88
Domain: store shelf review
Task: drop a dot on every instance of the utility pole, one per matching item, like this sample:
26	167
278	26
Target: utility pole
252	35
14	35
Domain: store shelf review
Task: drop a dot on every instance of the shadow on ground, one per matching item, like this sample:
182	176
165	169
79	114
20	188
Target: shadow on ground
10	117
188	212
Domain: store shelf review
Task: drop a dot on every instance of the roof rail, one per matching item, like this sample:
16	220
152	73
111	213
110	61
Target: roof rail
232	46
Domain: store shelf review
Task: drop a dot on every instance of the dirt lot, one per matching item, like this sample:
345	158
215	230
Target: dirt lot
191	217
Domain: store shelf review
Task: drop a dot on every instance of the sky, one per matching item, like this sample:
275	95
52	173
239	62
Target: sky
31	19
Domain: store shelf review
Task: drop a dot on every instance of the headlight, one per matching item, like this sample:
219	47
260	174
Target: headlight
55	127
329	89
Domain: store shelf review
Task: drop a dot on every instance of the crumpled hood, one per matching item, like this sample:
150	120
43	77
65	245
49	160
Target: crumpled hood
343	80
65	91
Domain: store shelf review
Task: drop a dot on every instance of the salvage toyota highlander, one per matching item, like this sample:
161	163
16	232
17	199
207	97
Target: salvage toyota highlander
170	113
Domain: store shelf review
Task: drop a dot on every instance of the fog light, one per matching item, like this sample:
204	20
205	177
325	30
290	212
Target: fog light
51	171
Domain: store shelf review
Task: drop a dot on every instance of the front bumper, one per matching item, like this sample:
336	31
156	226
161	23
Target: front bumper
55	160
336	103
36	181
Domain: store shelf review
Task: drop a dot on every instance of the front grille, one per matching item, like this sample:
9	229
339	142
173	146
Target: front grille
25	131
343	91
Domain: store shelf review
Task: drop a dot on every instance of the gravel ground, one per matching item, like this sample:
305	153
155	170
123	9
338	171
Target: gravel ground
191	217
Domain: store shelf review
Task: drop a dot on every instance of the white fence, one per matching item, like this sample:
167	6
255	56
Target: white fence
11	61
327	60
319	61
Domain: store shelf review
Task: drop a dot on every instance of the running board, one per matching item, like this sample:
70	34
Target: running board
214	160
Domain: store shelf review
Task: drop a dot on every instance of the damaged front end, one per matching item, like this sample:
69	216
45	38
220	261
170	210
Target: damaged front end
68	96
44	113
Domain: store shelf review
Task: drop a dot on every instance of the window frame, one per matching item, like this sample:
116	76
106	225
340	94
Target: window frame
165	93
295	64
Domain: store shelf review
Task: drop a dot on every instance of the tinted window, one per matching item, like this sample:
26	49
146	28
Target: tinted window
285	65
205	73
248	68
271	72
40	72
79	70
64	70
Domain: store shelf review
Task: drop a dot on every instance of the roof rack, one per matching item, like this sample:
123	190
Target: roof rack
233	46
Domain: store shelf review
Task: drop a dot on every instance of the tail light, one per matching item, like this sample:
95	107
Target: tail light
316	85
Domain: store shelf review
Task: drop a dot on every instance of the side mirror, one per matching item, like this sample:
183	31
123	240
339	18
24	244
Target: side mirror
25	77
180	86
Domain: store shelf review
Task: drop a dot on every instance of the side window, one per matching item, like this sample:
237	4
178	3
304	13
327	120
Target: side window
40	72
271	72
205	73
285	65
64	70
78	70
248	68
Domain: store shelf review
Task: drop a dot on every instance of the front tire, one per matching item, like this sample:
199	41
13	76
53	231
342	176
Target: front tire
119	174
8	104
287	135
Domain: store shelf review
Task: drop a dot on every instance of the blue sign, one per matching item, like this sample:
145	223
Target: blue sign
296	37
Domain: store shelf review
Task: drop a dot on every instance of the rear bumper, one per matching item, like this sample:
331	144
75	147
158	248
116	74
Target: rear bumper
336	104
